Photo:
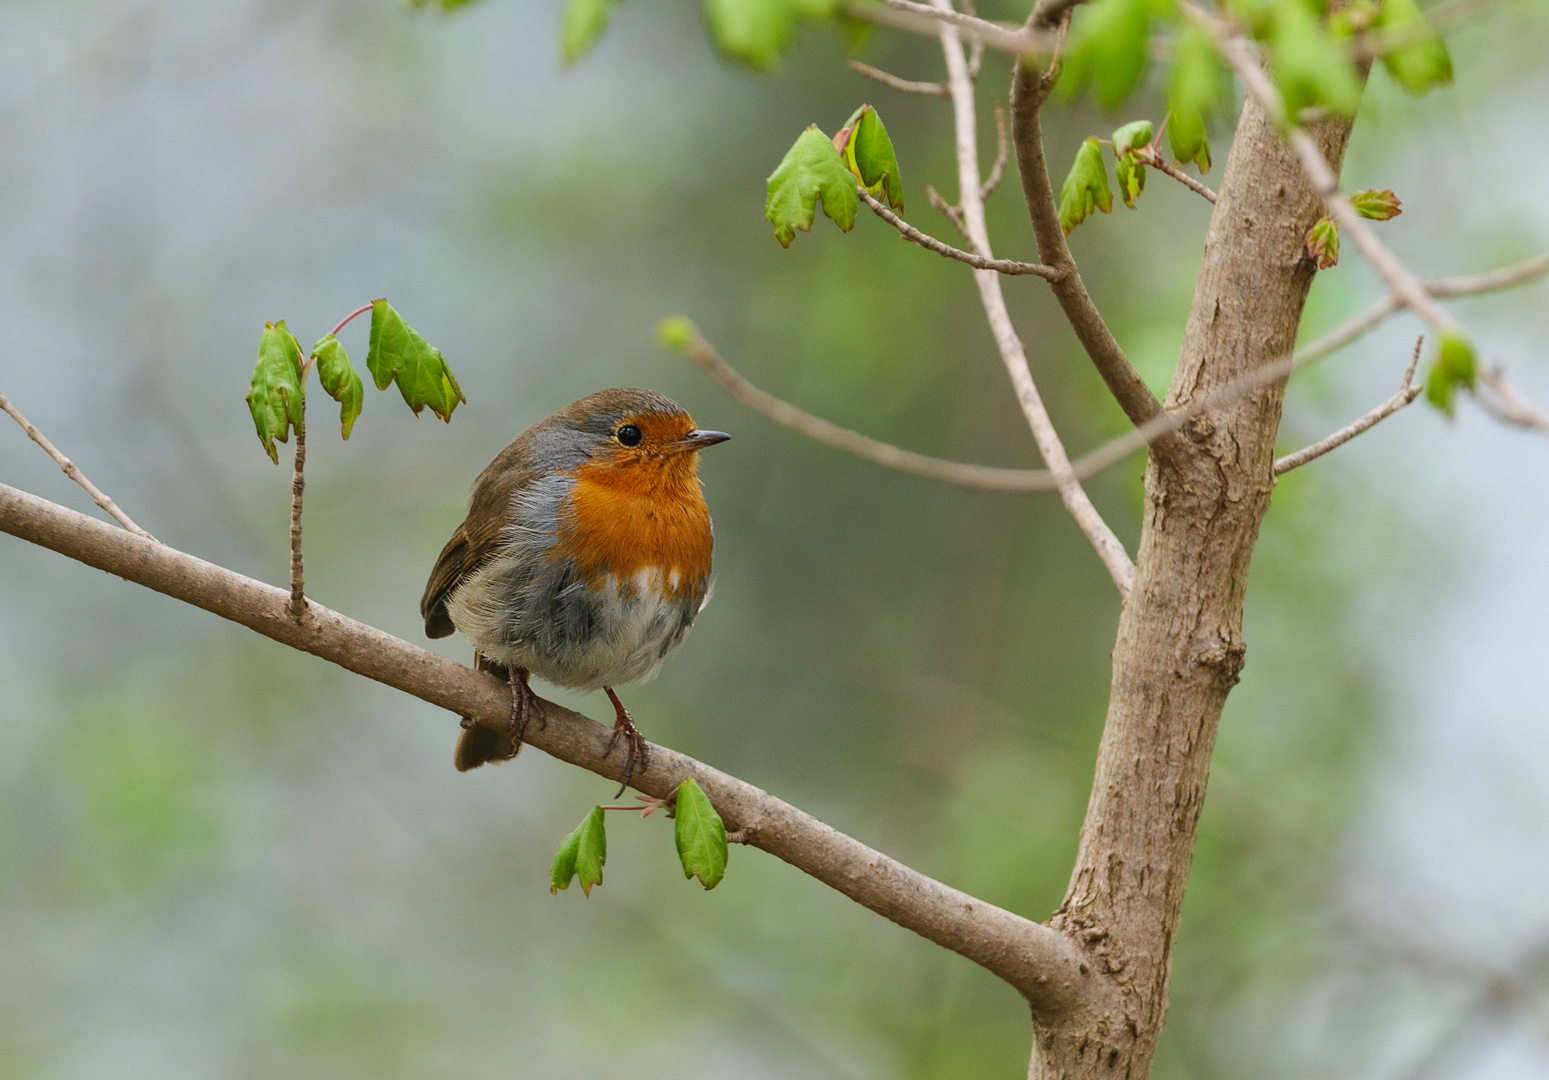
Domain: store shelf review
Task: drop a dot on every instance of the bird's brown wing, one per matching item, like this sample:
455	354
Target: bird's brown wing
478	537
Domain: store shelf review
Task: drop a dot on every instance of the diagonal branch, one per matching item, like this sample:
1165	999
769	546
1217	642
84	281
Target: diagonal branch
908	86
1041	963
1028	89
1407	392
1107	545
926	18
853	442
1507	404
930	243
72	470
1111	453
1161	164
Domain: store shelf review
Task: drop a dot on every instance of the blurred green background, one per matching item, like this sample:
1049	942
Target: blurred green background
219	858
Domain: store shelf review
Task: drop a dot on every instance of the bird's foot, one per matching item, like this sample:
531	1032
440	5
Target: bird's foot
525	708
638	751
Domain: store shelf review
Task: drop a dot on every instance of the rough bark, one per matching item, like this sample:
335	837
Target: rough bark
1180	647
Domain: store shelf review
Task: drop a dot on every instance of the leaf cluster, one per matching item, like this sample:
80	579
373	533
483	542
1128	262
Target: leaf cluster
819	169
698	833
397	353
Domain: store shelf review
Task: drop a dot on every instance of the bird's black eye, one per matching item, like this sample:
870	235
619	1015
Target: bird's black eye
629	435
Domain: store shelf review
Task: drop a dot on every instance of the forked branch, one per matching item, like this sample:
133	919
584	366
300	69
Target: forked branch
1091	523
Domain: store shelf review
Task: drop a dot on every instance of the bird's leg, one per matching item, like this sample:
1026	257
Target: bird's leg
525	706
638	750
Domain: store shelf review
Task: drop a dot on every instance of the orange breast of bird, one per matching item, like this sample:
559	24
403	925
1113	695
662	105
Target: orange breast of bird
645	517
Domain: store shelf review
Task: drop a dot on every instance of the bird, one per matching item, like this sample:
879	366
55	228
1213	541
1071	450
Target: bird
584	560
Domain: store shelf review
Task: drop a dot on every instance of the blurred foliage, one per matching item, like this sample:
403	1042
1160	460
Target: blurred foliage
219	857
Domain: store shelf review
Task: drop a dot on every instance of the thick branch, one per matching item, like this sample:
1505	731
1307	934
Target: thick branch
1179	648
1107	545
1129	389
71	469
1405	396
930	243
1039	962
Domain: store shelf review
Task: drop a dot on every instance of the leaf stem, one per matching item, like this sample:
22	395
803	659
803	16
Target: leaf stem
346	320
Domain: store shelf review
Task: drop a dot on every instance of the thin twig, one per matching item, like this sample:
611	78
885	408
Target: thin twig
1512	407
930	243
1107	545
298	599
923	19
72	470
1407	392
1158	162
1002	151
853	442
908	86
976	49
954	215
1490	280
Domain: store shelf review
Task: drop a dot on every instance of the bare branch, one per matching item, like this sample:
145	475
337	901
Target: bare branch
923	19
1029	87
1507	404
853	442
1002	150
1043	964
990	478
953	214
1488	282
930	243
908	86
1157	161
976	49
72	470
1107	545
1407	392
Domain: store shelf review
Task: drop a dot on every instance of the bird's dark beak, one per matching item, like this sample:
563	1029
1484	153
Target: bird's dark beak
698	440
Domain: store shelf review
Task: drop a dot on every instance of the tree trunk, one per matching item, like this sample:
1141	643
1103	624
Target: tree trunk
1180	647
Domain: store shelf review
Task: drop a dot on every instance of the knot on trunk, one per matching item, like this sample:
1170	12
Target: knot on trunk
1225	657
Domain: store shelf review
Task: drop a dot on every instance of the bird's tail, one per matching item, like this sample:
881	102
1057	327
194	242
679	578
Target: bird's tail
479	744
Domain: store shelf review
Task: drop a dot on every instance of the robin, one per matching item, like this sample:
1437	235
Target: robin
584	559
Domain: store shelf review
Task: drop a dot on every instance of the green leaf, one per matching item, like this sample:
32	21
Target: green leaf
581	854
1322	243
276	395
812	168
1379	205
339	379
1135	135
1422	63
1310	67
1086	188
754	32
676	332
1456	365
868	154
1128	168
398	353
1194	92
1108	48
700	835
1131	175
582	25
